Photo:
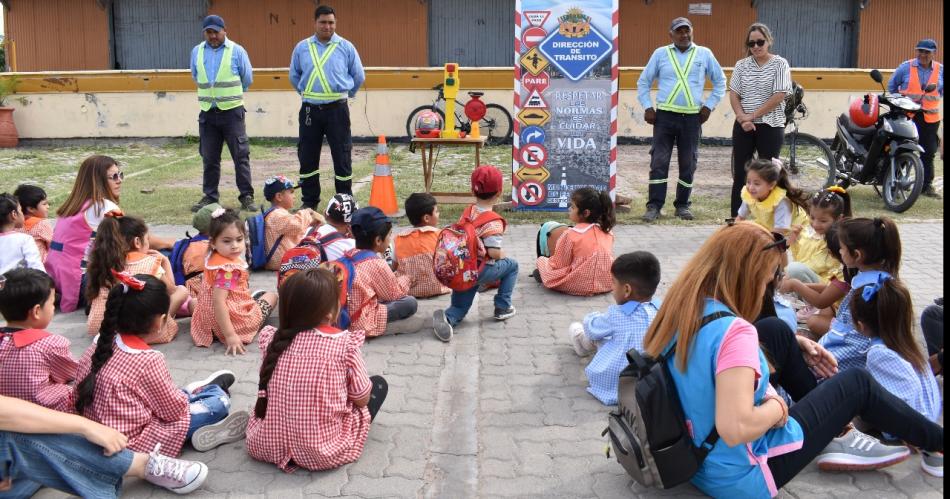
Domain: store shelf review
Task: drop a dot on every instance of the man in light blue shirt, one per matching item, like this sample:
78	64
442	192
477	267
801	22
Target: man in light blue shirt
223	72
325	69
680	69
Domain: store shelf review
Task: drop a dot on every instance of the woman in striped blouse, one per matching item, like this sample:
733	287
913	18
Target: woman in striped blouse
757	93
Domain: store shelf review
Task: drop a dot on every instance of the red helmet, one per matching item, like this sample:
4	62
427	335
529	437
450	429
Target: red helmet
864	111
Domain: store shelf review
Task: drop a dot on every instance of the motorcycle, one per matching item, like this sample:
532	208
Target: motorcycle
886	154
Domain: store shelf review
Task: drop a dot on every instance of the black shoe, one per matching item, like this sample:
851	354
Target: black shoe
684	213
930	192
247	202
537	276
222	378
504	313
205	201
651	215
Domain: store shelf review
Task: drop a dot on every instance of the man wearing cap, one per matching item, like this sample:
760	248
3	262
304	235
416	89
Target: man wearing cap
921	79
680	69
325	69
223	72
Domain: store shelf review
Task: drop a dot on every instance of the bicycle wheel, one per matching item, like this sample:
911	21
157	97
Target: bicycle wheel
411	122
496	125
810	162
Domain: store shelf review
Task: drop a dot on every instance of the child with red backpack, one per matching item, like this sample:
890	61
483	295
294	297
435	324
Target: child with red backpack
489	228
284	230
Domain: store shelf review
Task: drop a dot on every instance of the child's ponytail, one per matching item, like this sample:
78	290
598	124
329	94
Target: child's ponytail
114	238
597	204
8	205
877	239
886	310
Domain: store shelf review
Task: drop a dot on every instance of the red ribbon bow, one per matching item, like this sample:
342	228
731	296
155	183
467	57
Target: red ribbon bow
128	280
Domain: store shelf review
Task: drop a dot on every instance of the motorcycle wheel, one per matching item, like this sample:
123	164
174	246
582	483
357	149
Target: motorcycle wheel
810	162
903	182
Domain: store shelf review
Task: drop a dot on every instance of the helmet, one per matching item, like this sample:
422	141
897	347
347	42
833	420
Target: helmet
864	111
428	124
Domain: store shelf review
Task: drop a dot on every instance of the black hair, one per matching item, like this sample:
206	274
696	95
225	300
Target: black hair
8	205
418	205
223	221
127	311
114	239
599	205
21	290
773	171
323	10
30	196
889	315
367	240
877	239
640	269
834	247
485	196
839	202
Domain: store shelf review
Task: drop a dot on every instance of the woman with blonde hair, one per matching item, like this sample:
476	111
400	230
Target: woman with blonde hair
722	375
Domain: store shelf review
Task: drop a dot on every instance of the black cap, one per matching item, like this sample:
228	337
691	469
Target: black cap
369	220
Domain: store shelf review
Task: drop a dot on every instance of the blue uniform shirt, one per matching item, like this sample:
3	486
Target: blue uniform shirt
618	330
659	68
343	70
240	63
901	77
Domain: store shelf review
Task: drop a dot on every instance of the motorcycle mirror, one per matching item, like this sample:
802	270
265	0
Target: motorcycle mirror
876	76
930	87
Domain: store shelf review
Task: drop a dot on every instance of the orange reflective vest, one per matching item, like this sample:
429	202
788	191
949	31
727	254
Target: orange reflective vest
929	101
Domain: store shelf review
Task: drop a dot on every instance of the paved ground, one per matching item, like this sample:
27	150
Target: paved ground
501	411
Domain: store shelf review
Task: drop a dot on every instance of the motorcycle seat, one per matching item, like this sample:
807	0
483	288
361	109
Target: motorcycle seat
855	130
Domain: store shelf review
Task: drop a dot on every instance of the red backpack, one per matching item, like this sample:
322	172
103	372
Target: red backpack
460	254
307	254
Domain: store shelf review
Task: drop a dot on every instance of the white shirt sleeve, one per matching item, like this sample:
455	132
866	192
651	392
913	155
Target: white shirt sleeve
783	215
95	213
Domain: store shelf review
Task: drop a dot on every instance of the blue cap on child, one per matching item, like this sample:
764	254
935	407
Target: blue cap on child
275	185
368	220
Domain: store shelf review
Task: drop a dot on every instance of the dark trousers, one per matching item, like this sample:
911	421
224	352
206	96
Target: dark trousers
927	135
765	140
400	309
377	395
216	128
316	121
931	322
683	131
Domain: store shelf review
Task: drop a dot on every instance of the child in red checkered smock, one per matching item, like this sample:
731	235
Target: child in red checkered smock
580	263
122	245
35	365
224	287
414	247
281	227
125	385
35	208
315	400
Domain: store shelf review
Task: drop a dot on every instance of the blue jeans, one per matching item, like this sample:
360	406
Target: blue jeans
207	407
504	270
68	463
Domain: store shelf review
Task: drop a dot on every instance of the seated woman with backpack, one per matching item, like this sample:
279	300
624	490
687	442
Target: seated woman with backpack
722	375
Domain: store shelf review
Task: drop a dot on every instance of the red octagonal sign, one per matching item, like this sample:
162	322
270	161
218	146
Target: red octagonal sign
539	83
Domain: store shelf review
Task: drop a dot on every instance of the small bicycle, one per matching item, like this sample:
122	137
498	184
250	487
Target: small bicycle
496	125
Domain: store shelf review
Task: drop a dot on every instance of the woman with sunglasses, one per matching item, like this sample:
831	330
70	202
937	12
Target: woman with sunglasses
757	91
722	374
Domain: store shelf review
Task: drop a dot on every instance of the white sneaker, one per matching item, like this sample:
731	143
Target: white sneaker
229	429
856	451
177	475
932	463
582	346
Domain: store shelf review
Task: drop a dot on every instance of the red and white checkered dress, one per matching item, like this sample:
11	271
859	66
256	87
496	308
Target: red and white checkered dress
193	260
42	231
135	263
311	419
580	264
374	283
36	366
135	395
245	313
293	227
414	248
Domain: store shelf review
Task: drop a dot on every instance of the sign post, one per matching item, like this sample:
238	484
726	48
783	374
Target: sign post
566	70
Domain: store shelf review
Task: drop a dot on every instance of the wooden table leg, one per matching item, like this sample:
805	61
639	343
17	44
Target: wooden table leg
431	163
478	149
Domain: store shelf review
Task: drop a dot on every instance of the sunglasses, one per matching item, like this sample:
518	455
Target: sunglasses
778	240
755	43
115	177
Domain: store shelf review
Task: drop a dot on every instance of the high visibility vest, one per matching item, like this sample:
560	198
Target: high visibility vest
325	94
226	91
682	85
929	101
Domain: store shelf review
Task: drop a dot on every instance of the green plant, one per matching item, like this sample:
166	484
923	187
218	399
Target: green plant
8	86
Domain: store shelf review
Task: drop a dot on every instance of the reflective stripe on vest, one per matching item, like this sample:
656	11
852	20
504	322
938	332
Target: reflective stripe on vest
682	85
318	74
929	101
227	91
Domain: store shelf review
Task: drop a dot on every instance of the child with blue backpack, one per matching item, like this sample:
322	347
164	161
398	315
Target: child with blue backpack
188	255
284	230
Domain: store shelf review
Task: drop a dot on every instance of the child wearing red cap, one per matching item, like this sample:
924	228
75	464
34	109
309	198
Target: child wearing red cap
487	188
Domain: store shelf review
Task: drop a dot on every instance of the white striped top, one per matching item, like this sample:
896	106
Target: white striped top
755	84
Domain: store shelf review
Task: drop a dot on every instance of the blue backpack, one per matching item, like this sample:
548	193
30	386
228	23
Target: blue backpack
177	256
257	252
345	270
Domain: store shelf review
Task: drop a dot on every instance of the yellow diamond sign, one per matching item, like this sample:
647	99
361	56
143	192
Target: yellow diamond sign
534	116
526	174
534	61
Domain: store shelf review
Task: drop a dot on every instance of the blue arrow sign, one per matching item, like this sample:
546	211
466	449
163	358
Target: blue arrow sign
575	57
532	135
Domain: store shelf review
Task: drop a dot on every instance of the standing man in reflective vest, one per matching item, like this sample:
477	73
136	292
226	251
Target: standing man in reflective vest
223	72
914	78
325	69
680	69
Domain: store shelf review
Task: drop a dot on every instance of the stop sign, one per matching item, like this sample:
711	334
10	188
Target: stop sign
539	82
533	36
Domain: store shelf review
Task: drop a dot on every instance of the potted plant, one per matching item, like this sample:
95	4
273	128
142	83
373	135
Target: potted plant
9	137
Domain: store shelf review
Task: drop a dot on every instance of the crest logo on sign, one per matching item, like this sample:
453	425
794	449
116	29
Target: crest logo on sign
576	47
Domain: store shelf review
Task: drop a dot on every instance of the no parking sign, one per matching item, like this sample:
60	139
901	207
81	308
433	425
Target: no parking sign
533	155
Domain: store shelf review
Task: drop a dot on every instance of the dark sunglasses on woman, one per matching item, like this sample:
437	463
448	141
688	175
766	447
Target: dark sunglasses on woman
754	43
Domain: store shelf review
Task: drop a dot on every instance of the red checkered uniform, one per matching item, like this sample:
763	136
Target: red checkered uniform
414	248
281	222
374	283
311	419
36	366
42	231
135	395
580	264
193	260
245	313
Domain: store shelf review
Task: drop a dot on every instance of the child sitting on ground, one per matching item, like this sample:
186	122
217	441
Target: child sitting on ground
486	184
823	297
612	334
769	198
814	262
226	309
122	245
193	257
35	365
339	214
378	296
414	246
580	264
315	401
17	250
126	385
35	208
281	228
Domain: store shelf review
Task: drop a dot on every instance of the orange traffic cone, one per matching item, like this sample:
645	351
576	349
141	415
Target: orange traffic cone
383	193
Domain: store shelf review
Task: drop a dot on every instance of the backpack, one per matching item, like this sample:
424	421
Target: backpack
648	432
177	258
460	255
308	254
257	253
345	271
